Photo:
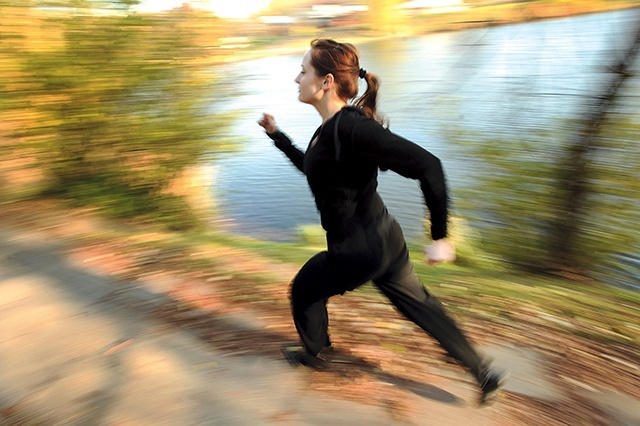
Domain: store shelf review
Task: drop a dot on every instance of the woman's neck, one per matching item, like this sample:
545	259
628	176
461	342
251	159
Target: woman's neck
330	109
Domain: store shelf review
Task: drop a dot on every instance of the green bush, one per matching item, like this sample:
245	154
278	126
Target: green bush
113	107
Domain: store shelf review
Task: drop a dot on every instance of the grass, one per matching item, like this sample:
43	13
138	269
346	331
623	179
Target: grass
484	290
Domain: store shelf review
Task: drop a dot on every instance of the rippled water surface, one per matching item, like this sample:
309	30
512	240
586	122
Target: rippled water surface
497	82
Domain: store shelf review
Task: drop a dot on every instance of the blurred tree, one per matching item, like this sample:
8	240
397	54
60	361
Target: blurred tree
566	207
511	198
384	17
112	105
579	176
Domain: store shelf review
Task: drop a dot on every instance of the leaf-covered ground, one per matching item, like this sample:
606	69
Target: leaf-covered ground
237	301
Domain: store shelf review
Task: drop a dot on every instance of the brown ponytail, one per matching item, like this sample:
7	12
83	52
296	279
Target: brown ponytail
368	100
343	62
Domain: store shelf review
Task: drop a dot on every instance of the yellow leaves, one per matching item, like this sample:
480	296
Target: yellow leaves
396	325
37	32
48	99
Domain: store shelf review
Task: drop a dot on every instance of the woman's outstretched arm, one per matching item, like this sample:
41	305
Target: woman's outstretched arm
282	141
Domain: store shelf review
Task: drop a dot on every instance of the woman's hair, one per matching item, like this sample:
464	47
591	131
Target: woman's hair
343	62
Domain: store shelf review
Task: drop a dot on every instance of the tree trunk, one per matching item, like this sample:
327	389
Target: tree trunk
574	174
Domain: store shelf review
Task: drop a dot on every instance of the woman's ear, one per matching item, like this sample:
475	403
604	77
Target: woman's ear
328	81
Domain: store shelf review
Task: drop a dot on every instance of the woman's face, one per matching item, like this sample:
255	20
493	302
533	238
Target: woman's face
309	84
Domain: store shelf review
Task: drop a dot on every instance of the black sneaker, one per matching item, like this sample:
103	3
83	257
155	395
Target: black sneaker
297	355
490	386
312	361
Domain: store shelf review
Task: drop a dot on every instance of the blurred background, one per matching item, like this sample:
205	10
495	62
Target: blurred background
148	110
149	228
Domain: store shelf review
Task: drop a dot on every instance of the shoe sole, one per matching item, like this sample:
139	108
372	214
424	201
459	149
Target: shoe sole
292	354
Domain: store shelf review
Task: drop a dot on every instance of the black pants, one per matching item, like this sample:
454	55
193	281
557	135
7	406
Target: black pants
324	276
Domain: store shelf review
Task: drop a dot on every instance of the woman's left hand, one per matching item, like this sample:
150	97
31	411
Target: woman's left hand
440	251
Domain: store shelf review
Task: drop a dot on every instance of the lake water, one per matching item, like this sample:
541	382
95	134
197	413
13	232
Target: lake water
499	82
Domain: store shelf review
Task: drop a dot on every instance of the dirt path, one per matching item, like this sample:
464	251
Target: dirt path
558	379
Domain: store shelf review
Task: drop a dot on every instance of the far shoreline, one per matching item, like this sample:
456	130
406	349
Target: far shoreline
299	44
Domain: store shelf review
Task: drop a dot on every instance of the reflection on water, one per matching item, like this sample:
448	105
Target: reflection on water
501	82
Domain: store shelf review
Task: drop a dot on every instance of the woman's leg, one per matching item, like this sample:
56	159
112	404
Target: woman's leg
403	288
315	283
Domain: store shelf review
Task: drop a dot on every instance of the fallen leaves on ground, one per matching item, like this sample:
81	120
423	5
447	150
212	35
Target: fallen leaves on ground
389	361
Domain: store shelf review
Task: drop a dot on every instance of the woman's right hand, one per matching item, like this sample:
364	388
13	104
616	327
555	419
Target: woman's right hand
268	123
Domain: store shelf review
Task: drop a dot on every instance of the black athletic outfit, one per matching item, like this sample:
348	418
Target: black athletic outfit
364	242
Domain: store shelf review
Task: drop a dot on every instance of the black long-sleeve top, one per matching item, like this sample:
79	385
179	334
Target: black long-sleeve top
342	169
